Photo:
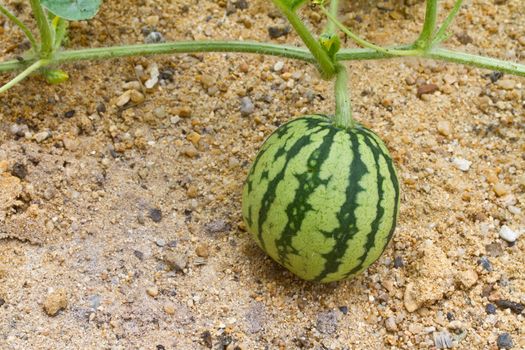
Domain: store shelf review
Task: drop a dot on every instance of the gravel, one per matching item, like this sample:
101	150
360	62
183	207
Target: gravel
490	309
19	170
507	234
461	164
247	106
505	341
442	340
154	37
516	308
327	322
42	136
155	214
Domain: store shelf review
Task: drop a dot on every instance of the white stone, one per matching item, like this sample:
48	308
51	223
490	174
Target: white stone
514	210
42	136
461	164
507	234
278	66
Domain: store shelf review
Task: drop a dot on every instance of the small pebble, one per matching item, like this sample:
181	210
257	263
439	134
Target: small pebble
516	308
160	112
207	339
2	301
501	189
506	84
327	322
55	301
456	325
461	164
391	324
464	38
202	250
154	76
507	234
514	210
169	309
442	340
194	138
175	261
468	278
160	242
136	96
123	99
155	214
505	341
152	291
490	309
278	66
425	89
69	114
131	85
485	263
42	136
494	249
444	128
19	170
138	254
217	226
495	76
247	106
101	108
343	309
277	32
154	37
398	262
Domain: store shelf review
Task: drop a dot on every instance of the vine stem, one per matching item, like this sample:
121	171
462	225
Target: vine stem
38	64
326	65
364	43
60	25
46	35
21	25
334	9
448	55
343	106
441	35
285	51
424	41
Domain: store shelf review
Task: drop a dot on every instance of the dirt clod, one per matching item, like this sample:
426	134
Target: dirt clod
55	301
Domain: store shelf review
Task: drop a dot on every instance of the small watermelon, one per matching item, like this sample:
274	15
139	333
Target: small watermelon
321	200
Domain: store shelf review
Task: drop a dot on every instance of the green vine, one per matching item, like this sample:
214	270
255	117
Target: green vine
325	51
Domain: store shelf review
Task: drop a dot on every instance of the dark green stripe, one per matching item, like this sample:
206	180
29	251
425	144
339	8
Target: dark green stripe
299	207
380	211
347	220
270	194
393	179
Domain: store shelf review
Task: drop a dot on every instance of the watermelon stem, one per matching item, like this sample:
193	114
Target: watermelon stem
343	107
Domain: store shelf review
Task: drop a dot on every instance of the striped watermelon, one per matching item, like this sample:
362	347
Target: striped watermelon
320	200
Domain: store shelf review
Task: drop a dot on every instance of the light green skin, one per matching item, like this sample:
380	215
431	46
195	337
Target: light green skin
309	244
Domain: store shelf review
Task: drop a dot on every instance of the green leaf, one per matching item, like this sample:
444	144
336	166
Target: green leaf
331	43
55	76
73	10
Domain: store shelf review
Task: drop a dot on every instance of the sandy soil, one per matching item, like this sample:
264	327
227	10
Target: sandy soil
120	227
